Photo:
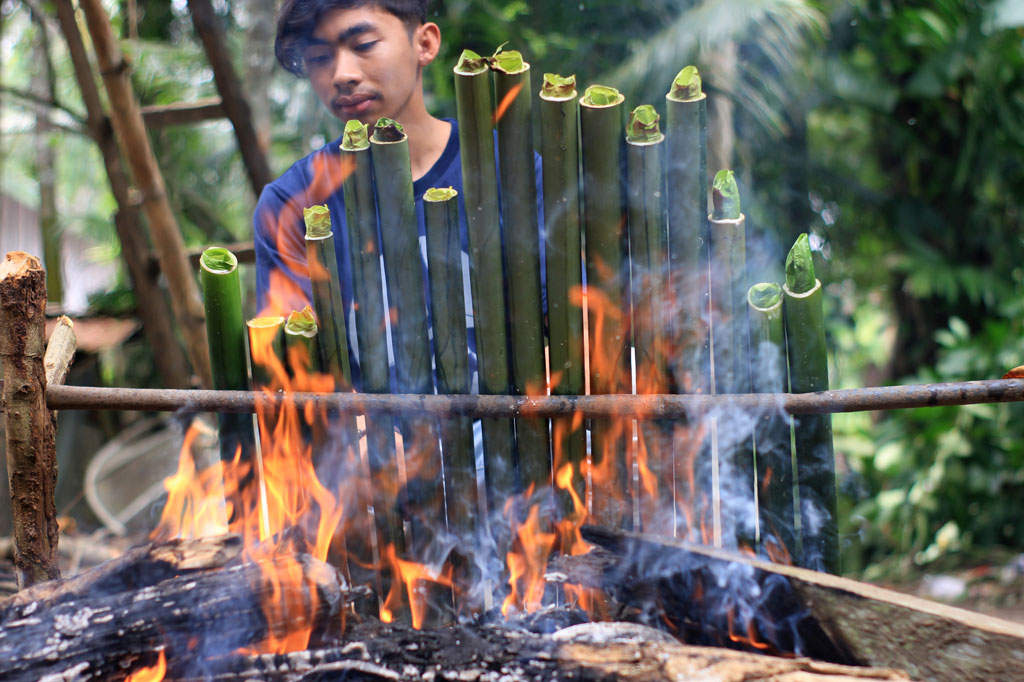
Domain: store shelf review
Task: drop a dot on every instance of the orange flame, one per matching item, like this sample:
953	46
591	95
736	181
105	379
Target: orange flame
153	673
527	561
506	102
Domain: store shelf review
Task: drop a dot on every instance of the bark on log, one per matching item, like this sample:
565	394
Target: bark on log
191	617
31	431
232	96
136	568
151	304
131	132
878	627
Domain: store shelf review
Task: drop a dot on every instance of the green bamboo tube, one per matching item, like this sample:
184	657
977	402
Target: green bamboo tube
687	200
808	372
522	257
451	354
326	285
403	271
480	197
370	318
688	335
301	340
266	352
772	443
730	348
605	234
648	249
226	331
560	156
364	256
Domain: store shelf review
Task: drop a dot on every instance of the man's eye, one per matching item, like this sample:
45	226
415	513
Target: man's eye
318	59
366	47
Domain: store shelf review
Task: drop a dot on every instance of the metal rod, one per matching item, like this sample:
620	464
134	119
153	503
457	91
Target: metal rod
500	406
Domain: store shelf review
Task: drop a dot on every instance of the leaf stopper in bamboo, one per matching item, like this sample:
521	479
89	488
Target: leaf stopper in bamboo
644	125
558	87
356	136
725	195
686	86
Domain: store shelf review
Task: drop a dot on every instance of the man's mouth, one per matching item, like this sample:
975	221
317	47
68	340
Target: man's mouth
354	105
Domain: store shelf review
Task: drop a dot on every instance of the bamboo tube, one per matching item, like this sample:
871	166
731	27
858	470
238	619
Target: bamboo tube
370	315
730	346
648	248
604	231
808	372
686	133
522	256
301	334
226	334
451	355
560	156
364	255
403	269
326	285
773	447
480	197
688	332
266	352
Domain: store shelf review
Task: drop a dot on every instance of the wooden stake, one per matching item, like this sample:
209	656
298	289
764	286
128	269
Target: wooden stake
31	436
131	133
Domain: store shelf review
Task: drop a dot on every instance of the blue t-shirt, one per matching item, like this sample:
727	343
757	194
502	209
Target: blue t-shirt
282	273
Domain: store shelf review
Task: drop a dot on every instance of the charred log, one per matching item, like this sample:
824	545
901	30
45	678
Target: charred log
783	608
104	636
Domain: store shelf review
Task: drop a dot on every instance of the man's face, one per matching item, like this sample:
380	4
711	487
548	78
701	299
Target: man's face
363	64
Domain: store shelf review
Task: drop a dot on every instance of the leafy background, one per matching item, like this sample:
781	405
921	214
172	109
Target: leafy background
892	131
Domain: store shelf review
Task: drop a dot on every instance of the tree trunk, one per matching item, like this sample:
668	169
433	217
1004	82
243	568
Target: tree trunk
31	435
259	65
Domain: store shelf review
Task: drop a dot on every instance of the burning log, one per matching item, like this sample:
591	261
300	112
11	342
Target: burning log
118	616
719	597
590	651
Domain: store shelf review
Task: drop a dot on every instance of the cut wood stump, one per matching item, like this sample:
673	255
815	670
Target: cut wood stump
31	428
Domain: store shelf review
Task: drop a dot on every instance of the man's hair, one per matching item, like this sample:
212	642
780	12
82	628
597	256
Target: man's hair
298	19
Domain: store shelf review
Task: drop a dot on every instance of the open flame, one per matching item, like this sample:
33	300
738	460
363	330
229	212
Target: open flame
153	673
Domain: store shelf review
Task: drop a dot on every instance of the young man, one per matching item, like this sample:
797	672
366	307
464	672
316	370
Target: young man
364	60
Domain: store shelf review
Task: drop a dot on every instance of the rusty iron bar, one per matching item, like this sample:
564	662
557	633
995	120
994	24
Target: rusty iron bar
499	406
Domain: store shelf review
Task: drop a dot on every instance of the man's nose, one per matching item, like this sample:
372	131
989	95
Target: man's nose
346	70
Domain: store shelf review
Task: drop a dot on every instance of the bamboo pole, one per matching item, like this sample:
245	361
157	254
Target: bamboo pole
31	438
226	332
487	277
773	448
326	285
808	372
605	234
730	348
266	352
688	342
451	355
517	173
131	133
687	200
560	156
403	269
368	298
648	249
451	362
157	318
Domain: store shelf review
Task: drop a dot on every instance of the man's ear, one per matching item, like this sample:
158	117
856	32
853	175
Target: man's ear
427	41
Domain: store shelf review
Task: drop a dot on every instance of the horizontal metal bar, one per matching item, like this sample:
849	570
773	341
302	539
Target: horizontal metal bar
499	406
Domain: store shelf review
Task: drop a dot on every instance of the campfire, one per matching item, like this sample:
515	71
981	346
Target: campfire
338	540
